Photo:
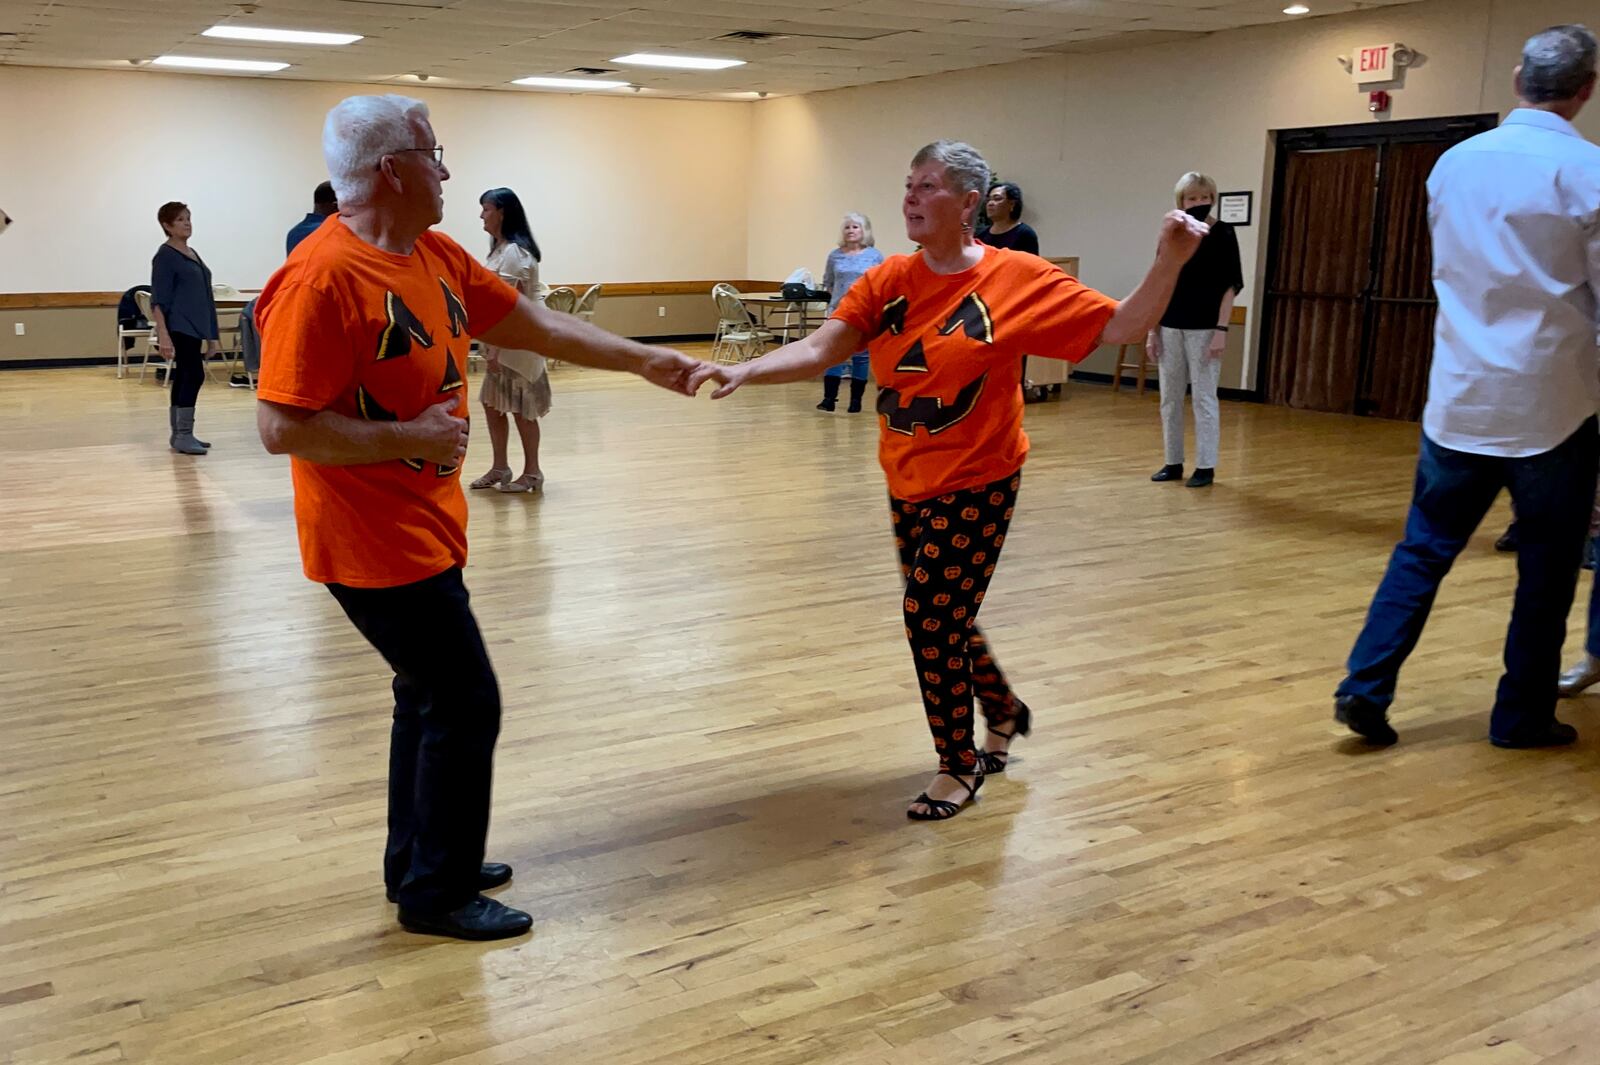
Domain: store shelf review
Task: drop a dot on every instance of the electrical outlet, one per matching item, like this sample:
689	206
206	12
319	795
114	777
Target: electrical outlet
22	330
661	312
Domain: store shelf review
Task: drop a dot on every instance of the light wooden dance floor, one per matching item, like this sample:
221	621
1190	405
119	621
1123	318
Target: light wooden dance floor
712	731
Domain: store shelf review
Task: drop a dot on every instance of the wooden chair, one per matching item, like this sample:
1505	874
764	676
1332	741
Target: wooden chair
1141	367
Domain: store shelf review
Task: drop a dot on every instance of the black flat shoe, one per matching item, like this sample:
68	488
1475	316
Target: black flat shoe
1508	539
482	918
1202	478
1369	722
1168	473
490	875
1021	724
939	809
1553	734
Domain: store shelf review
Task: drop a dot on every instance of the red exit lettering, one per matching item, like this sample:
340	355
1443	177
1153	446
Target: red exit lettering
1374	58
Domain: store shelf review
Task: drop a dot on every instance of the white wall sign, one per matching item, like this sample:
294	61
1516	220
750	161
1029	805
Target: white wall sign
1374	63
1234	207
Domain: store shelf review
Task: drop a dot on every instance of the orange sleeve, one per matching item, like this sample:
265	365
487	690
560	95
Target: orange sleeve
486	299
307	359
1065	317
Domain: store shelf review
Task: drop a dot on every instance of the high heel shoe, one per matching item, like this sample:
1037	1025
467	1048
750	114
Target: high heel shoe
1021	724
941	810
1579	679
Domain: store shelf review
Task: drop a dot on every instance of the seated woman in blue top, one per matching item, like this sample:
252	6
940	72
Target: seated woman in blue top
186	314
855	255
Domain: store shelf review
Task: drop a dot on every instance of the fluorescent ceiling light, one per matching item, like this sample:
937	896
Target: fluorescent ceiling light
570	83
1297	9
252	33
679	62
196	63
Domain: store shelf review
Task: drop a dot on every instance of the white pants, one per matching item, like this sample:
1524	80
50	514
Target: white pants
1185	362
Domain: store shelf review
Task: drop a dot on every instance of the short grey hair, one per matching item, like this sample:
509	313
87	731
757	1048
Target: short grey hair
867	239
1557	63
359	132
964	169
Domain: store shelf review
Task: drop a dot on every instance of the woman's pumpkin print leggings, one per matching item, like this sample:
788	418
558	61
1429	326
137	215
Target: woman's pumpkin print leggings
948	548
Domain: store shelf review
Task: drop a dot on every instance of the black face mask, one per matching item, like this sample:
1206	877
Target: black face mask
1200	212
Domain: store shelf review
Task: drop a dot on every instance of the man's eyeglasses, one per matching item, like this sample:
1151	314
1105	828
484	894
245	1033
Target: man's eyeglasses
437	151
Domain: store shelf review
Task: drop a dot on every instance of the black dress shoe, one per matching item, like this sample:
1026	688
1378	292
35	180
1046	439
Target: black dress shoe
1551	734
1168	473
1508	539
1369	722
482	918
490	875
1203	476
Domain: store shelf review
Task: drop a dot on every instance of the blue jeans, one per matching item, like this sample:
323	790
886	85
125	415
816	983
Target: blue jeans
857	367
1552	493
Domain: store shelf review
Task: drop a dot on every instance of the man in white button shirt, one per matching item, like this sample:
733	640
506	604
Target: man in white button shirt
1512	394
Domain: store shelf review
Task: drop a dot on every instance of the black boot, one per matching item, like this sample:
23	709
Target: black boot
830	393
858	388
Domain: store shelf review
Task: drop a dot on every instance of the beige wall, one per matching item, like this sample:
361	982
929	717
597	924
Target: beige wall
622	189
1097	141
616	189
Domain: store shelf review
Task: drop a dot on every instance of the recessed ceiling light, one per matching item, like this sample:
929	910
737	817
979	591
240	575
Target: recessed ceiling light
679	62
197	63
1297	9
570	83
253	33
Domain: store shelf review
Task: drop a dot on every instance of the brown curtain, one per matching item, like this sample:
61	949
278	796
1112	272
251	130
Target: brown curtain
1404	305
1316	283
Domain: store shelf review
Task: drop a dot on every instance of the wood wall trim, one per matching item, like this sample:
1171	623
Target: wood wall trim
35	301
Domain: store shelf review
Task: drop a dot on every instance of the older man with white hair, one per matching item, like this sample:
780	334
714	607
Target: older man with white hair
365	331
1515	219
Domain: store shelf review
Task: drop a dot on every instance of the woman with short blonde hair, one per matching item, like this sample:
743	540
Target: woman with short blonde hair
1193	334
855	255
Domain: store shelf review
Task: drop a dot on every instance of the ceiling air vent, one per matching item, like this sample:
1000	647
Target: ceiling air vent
755	36
591	71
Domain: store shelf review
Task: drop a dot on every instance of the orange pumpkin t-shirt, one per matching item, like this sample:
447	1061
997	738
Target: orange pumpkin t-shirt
947	353
351	328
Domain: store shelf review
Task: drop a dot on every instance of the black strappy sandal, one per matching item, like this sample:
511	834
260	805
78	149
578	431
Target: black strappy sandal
1021	723
939	809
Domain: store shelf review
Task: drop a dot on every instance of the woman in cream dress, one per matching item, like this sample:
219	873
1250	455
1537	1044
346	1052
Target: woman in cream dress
516	382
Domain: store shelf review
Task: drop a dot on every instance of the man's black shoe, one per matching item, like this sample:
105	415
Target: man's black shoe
482	918
1369	722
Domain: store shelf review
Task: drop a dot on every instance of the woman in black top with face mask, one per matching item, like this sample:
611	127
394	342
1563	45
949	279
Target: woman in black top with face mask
1189	342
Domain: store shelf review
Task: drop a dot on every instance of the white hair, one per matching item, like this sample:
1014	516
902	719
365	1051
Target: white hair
1557	63
964	169
867	239
359	132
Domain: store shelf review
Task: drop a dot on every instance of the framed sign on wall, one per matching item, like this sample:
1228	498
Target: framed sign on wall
1236	208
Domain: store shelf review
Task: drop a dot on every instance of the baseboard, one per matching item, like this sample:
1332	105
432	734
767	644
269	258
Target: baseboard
1241	395
52	364
677	338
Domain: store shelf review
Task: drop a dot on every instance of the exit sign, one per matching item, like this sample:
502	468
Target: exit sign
1373	63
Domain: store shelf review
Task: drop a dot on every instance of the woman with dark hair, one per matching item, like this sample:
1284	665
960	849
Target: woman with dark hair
1003	208
185	314
516	382
946	329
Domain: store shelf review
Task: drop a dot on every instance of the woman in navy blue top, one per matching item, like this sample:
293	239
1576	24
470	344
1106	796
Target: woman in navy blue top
186	315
